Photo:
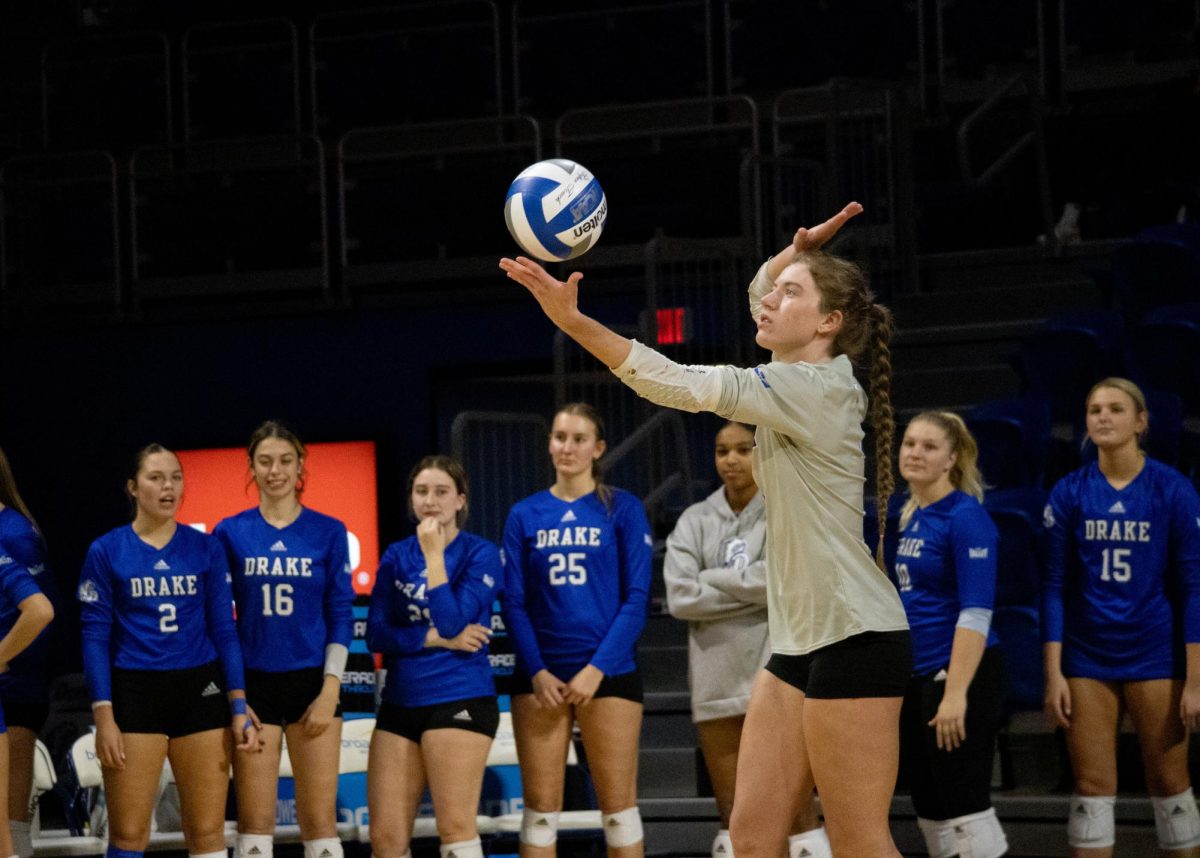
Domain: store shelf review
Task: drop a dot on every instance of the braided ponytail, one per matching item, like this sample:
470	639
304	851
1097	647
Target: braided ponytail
865	337
883	418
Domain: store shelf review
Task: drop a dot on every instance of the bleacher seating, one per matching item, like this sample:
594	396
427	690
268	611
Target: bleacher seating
241	78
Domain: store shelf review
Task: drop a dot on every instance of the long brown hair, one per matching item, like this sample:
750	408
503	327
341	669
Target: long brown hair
865	337
589	413
275	429
9	494
964	473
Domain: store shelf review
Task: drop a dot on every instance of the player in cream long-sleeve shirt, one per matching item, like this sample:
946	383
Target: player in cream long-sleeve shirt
828	703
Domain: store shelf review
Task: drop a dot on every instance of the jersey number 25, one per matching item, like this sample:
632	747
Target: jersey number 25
568	568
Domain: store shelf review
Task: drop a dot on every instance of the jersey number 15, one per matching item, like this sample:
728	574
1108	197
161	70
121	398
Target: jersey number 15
1115	565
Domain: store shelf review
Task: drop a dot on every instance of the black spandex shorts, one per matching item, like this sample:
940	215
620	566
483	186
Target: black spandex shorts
280	698
20	711
871	664
627	686
477	714
173	702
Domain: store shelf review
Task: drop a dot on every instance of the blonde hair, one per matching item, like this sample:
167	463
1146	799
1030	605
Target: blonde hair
964	473
1129	389
865	337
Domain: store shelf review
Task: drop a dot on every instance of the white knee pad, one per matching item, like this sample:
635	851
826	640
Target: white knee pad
1177	821
722	845
939	837
256	846
1091	825
22	838
623	828
462	849
979	835
810	844
324	847
538	828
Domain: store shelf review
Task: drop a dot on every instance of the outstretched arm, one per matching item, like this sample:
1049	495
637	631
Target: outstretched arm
559	299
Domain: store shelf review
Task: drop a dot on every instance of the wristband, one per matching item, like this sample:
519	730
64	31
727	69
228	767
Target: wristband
238	705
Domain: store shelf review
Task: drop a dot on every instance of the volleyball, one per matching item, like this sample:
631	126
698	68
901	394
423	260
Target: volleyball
555	210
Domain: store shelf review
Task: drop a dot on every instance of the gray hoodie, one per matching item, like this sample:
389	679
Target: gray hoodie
715	573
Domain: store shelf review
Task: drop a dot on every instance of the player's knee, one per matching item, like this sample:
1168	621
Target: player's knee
539	828
979	835
1091	824
1177	821
623	828
939	837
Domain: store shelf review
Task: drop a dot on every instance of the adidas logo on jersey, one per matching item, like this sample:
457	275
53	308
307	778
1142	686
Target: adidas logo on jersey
1118	507
210	690
916	526
463	715
569	515
161	566
279	546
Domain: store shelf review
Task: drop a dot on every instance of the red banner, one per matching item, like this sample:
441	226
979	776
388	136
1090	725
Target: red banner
339	481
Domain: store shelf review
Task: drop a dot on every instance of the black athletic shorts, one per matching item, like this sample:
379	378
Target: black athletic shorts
949	784
477	714
627	686
280	698
21	711
871	664
173	702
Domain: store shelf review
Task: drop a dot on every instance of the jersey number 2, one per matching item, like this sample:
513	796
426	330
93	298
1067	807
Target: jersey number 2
568	568
166	623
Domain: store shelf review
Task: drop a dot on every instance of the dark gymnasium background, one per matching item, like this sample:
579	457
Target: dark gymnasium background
216	213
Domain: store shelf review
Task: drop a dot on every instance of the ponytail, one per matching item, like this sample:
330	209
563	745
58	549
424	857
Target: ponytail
9	495
883	419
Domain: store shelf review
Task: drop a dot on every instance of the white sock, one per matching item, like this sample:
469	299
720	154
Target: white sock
324	847
254	846
810	844
22	838
722	846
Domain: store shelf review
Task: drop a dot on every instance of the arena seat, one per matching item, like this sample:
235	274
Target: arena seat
420	62
1014	440
1167	343
1160	266
241	78
1017	514
1068	355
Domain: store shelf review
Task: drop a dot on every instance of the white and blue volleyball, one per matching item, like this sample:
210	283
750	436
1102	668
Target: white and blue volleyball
555	210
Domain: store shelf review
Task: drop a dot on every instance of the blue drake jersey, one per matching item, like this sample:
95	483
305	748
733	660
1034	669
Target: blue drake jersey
20	540
403	608
16	584
1122	588
945	562
146	608
292	588
577	582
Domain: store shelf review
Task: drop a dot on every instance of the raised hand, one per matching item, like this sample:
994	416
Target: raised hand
813	238
559	300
